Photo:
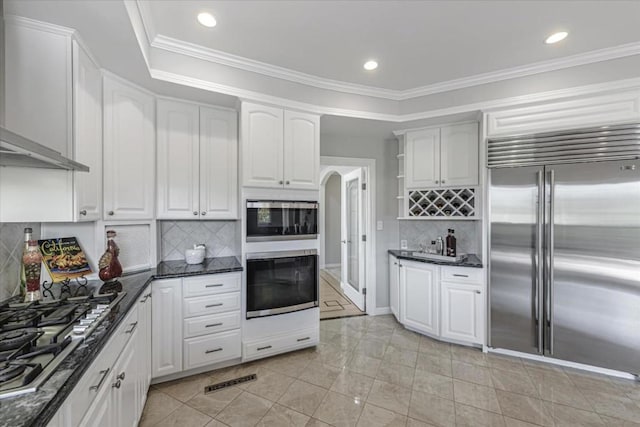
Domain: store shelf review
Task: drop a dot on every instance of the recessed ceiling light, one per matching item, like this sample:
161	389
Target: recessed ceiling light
207	19
370	65
556	37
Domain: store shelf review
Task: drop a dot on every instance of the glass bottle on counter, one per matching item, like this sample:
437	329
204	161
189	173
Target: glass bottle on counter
451	243
28	233
32	262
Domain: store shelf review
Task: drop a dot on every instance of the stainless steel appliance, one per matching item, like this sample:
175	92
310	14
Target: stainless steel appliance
281	220
281	282
36	337
565	245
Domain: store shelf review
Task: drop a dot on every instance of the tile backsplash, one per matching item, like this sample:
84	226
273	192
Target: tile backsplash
422	232
11	247
221	237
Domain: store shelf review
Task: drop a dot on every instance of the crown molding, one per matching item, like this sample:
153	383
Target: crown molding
40	25
158	41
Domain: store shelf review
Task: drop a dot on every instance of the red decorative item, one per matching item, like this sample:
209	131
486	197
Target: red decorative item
110	268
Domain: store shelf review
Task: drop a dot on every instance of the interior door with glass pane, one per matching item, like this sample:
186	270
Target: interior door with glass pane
353	253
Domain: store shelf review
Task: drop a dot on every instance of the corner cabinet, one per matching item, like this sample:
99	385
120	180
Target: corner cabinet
197	162
441	301
442	157
129	151
280	148
419	297
166	338
54	97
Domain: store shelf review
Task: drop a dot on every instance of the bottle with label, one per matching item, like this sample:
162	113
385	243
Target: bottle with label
28	232
32	262
451	243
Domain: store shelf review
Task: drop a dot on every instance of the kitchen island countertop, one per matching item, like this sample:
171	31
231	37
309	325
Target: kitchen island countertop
39	407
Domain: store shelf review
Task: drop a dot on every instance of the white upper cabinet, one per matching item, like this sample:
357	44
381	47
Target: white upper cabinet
197	162
442	157
218	164
178	160
423	158
301	150
87	137
459	155
262	146
280	148
53	96
129	152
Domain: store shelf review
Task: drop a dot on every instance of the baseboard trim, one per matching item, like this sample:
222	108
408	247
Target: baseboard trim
379	311
331	265
545	359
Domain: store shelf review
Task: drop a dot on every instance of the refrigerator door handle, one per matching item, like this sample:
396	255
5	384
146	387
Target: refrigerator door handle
539	257
550	255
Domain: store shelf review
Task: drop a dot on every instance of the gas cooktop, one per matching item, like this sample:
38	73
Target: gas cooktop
36	337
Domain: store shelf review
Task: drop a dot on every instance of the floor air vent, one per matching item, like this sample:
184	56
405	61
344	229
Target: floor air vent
223	384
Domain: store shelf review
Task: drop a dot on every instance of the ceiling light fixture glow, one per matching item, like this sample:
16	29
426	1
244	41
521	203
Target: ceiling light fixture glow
370	65
556	37
207	19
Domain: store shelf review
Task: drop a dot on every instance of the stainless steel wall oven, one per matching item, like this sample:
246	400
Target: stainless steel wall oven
281	282
281	220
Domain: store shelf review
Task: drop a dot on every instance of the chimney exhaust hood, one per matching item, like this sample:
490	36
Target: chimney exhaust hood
16	150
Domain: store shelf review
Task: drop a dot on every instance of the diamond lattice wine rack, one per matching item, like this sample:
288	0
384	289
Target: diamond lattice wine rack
445	202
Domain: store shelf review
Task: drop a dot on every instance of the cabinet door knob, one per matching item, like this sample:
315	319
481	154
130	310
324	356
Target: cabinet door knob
436	181
442	182
203	213
281	182
195	213
121	376
287	183
117	384
110	213
478	292
83	212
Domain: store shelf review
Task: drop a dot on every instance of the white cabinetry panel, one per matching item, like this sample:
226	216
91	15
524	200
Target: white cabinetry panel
262	145
129	152
462	312
218	164
459	155
394	286
210	349
166	326
419	296
301	150
178	160
422	158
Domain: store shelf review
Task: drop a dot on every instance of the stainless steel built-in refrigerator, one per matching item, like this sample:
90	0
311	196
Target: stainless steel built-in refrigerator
565	245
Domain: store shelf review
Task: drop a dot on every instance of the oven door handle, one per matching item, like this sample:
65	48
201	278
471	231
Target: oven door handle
280	204
281	254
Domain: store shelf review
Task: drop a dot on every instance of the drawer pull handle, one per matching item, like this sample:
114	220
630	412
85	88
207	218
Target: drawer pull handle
133	327
217	285
213	351
146	297
304	339
264	348
460	275
104	375
213	325
218	304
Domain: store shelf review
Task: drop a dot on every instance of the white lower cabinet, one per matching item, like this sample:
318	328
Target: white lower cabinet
419	296
196	322
462	312
443	302
281	343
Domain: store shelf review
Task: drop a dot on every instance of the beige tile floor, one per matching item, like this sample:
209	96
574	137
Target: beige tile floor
333	302
370	371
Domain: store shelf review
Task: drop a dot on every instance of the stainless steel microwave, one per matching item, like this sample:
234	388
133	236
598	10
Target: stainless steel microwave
281	220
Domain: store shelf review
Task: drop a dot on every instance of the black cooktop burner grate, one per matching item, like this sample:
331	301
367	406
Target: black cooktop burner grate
18	337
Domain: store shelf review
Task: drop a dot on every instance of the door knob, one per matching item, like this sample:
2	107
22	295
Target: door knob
83	212
110	213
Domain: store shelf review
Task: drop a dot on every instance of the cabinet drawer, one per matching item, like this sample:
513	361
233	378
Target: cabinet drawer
211	284
210	349
203	325
462	274
281	343
211	304
124	332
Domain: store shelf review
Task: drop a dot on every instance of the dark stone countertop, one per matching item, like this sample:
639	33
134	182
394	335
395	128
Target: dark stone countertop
471	261
38	408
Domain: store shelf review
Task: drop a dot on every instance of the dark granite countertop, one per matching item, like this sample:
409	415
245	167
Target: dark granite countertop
471	261
37	408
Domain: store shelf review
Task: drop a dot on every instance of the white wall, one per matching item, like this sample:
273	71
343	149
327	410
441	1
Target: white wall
361	143
332	226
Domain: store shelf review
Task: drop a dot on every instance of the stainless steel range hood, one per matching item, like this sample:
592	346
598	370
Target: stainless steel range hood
16	150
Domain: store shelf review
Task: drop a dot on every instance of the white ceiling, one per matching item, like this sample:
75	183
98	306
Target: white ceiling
417	43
